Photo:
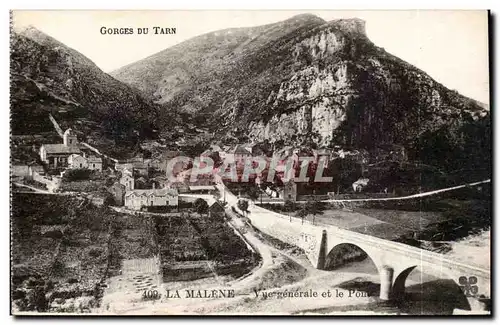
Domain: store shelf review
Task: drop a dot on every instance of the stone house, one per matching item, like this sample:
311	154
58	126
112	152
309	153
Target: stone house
141	169
181	187
138	165
136	199
127	180
76	161
95	163
290	191
162	160
141	183
237	154
121	166
97	199
56	155
36	169
216	210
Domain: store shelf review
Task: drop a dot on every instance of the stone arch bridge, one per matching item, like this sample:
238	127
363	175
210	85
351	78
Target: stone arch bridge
394	261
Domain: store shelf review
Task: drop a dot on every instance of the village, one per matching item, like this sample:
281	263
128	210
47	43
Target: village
245	170
181	214
145	181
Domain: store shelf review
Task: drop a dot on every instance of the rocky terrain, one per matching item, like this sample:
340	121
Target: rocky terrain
302	81
306	80
49	77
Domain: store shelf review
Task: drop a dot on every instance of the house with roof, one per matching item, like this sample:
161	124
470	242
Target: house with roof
138	165
215	209
137	199
95	163
35	169
77	161
120	166
127	180
97	199
56	155
141	183
141	169
161	161
289	191
181	187
237	154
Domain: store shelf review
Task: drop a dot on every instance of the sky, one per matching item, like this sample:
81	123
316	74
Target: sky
451	46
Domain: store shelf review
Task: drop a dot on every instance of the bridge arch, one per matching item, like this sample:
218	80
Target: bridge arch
344	253
398	288
444	292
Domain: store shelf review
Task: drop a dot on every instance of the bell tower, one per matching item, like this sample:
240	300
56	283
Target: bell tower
69	138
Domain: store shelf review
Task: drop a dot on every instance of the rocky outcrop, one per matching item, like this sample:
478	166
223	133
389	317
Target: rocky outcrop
49	77
307	80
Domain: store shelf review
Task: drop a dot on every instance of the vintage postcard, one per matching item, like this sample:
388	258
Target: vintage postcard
250	163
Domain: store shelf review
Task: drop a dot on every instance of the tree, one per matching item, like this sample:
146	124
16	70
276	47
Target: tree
315	208
253	193
289	206
243	205
79	174
200	206
302	213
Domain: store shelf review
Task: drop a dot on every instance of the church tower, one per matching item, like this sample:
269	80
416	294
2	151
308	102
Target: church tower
69	138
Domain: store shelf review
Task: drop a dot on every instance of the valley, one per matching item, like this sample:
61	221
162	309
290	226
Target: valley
293	168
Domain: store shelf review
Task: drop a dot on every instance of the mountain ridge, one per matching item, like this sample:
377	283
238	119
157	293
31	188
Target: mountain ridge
50	77
304	81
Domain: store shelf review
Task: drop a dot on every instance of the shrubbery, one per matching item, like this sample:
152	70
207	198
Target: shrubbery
80	174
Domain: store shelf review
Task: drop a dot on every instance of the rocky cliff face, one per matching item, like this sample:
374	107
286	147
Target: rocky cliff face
49	77
348	91
300	80
307	81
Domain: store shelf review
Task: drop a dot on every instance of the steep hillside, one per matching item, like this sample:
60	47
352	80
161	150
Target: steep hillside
169	72
47	76
306	80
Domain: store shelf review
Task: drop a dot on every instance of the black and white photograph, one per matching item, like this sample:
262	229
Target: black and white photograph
250	162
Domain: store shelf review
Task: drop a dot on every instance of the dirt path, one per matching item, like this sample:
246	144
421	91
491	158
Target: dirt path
280	271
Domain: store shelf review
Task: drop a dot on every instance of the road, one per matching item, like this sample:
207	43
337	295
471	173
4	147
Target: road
408	197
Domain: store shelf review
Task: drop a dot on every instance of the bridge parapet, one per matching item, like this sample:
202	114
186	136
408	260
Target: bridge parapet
384	253
400	259
288	229
403	258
